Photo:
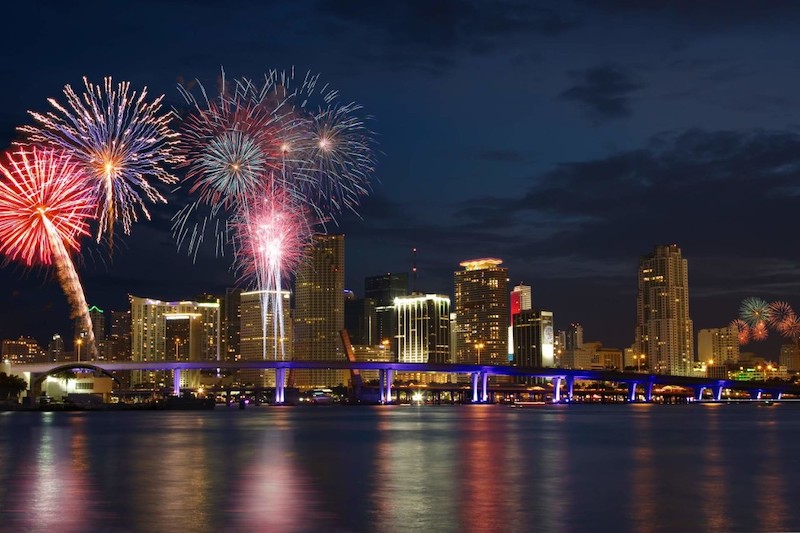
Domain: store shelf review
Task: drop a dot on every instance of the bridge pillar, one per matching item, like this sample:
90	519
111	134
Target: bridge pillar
381	382
557	389
389	378
698	392
176	382
632	391
755	394
484	387
474	377
280	388
718	393
649	393
778	395
570	387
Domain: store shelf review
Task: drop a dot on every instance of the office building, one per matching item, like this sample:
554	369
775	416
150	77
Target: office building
482	314
534	339
383	290
262	338
22	350
718	346
663	328
319	310
423	326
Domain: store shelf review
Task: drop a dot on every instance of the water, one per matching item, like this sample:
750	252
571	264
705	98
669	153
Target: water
455	468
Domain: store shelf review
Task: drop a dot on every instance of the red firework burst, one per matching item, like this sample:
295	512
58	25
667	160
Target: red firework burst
778	312
44	201
743	331
759	331
790	327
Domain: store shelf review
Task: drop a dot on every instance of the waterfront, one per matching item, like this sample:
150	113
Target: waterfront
468	468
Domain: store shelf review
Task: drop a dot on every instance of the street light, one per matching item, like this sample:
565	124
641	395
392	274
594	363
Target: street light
78	343
639	359
478	348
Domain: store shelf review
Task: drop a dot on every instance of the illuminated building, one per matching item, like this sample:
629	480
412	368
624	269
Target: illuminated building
720	345
534	339
319	310
790	356
423	328
231	324
481	306
663	328
258	342
55	349
22	350
521	299
98	328
149	318
383	290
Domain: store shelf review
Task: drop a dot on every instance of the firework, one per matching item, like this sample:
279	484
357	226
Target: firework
44	210
790	327
119	140
270	232
743	331
778	313
754	311
759	332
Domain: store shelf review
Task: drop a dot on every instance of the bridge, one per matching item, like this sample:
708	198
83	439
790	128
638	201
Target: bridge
479	376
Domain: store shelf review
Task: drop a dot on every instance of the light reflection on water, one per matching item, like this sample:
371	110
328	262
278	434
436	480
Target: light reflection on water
454	468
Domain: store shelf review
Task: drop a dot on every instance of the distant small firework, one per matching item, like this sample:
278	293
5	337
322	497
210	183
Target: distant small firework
790	327
743	331
44	210
779	312
759	332
118	139
754	311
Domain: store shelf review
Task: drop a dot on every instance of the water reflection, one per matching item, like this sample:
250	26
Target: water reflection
459	468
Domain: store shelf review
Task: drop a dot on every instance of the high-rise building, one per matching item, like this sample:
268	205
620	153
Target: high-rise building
231	324
319	310
534	339
521	299
482	318
423	328
149	319
383	290
98	328
720	345
261	337
790	356
55	349
663	328
360	321
119	345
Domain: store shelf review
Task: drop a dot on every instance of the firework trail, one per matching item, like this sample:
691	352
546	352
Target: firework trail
44	210
790	327
119	140
778	313
759	332
754	311
270	233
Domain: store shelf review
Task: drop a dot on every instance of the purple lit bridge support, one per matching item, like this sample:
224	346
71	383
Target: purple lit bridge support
474	377
718	392
484	387
698	392
176	382
649	393
570	387
755	394
557	389
381	385
280	386
632	391
389	378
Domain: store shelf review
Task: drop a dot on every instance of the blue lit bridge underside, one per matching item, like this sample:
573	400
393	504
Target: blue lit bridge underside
636	383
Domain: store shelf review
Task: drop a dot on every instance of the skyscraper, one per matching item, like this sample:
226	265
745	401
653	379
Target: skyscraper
720	345
534	339
482	318
383	290
663	328
319	310
258	342
423	326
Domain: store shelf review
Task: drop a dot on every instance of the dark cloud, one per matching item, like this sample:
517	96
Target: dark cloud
706	14
431	35
500	155
603	92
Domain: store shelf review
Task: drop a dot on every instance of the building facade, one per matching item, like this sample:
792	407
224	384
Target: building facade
664	331
423	328
319	310
718	346
262	338
482	314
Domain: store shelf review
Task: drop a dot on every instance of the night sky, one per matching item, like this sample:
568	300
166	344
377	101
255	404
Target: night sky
567	138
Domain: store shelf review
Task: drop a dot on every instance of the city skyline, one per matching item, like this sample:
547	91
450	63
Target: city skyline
534	139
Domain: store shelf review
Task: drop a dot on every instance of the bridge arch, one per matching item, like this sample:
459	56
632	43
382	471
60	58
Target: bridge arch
37	383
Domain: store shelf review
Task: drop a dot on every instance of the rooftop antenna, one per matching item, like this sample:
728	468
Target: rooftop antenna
414	271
